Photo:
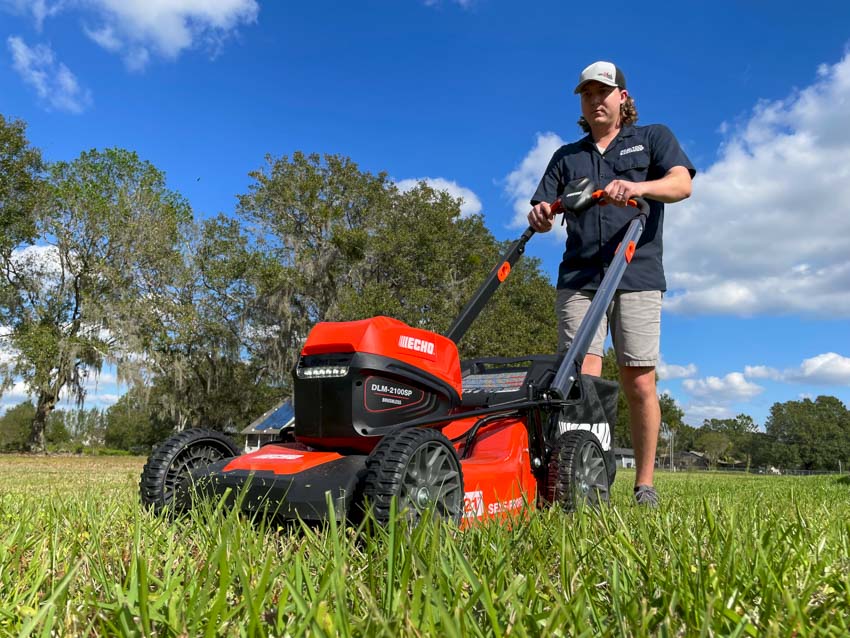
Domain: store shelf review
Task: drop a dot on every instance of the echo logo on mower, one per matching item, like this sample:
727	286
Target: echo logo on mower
419	347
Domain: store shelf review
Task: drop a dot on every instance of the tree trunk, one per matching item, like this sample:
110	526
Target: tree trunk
45	406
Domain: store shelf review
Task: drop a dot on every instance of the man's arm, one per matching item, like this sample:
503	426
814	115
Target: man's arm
673	187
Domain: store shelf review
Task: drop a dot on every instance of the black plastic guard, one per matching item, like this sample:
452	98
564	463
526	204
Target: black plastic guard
595	409
289	496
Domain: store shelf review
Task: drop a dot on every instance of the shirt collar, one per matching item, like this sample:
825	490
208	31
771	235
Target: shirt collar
626	131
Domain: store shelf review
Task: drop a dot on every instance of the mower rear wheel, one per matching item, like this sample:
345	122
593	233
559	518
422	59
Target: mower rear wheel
577	472
420	468
165	477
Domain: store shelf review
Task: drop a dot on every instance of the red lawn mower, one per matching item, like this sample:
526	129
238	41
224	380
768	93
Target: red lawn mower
386	411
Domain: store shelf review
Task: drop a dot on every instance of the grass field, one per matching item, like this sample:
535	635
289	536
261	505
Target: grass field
723	556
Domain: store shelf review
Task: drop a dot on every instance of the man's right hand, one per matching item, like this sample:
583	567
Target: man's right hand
540	218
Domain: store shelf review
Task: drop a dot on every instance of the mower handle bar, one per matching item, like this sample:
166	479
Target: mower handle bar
476	304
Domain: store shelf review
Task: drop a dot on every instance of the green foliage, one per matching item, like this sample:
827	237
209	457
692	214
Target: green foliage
20	185
714	444
57	433
15	427
333	243
130	424
107	228
816	432
686	438
672	416
519	319
423	263
308	220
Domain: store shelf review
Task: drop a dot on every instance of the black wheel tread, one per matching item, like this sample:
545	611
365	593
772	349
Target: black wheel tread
386	465
153	477
560	475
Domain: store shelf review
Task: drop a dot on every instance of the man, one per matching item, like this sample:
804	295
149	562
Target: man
627	161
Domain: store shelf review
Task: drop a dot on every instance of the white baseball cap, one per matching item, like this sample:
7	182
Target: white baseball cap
605	72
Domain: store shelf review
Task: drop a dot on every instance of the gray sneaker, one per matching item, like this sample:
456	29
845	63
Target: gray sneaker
646	495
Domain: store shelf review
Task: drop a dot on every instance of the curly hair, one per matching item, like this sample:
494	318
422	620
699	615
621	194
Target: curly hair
628	115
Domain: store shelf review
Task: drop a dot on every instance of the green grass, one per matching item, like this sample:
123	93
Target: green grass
723	556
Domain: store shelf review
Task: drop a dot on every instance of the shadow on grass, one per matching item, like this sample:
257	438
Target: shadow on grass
844	480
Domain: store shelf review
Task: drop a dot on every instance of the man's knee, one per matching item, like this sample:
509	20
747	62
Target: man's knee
638	382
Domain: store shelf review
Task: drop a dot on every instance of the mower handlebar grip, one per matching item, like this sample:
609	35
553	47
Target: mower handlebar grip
636	202
641	204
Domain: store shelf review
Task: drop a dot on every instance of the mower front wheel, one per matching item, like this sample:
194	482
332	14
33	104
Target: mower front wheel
578	472
165	477
418	467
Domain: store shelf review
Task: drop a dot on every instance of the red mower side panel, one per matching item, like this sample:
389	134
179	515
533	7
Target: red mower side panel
497	475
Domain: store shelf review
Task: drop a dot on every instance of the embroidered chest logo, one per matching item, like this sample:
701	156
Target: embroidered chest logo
632	149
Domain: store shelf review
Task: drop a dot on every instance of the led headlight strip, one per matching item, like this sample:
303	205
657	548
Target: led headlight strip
322	372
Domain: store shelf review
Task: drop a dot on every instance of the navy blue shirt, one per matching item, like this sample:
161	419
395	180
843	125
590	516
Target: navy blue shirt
637	154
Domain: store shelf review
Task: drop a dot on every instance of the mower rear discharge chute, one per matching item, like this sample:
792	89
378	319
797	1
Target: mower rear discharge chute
386	411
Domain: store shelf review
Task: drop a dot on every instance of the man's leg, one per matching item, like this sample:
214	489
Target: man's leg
592	365
644	418
636	331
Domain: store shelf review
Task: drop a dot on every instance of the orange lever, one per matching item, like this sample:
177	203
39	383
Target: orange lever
556	207
601	194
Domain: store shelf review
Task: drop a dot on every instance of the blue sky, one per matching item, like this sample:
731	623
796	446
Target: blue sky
475	95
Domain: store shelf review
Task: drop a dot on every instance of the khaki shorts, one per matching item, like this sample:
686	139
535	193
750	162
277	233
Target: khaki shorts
634	318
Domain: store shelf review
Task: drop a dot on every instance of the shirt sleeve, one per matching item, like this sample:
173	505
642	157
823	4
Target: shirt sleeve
552	182
666	152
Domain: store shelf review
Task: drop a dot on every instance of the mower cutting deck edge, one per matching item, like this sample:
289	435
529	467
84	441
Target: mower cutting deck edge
386	411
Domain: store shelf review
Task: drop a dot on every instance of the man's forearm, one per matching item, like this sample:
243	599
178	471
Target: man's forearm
673	187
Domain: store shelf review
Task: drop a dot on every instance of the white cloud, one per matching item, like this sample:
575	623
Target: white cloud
762	372
54	83
765	231
732	387
7	353
41	263
667	371
826	369
829	368
138	29
463	4
470	204
105	37
17	393
696	413
38	9
521	183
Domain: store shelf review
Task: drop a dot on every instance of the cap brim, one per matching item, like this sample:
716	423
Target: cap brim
582	83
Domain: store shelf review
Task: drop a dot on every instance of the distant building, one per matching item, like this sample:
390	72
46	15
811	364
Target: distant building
624	456
268	427
691	460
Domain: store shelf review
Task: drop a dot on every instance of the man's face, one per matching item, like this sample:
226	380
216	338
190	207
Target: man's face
600	103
